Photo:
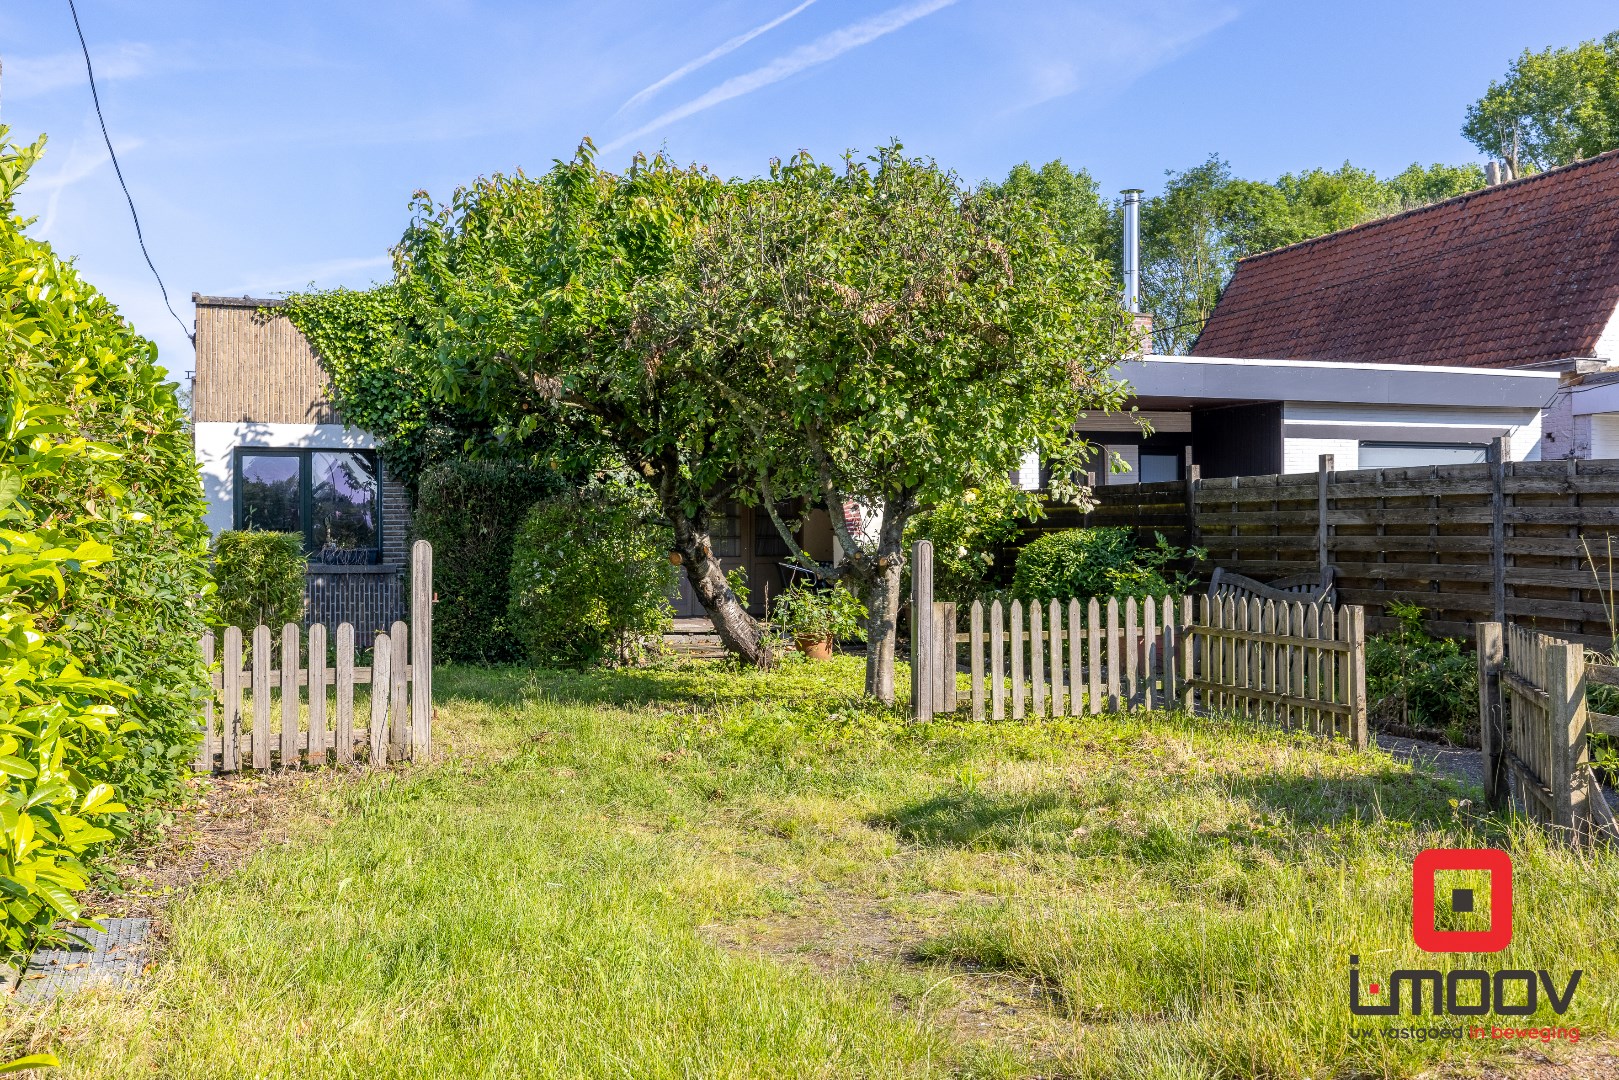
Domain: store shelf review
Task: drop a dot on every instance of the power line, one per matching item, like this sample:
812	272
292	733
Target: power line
95	97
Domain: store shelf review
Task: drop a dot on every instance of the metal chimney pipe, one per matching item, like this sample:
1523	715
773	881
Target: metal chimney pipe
1132	249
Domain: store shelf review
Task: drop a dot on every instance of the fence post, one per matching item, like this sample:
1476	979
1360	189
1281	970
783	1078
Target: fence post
1194	477
230	695
1358	730
205	752
1323	531
944	657
1500	451
421	650
921	629
1565	690
1492	729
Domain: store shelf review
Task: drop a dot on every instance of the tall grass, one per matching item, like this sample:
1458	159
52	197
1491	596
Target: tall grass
542	902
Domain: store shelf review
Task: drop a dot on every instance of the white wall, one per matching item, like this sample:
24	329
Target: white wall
215	442
1310	429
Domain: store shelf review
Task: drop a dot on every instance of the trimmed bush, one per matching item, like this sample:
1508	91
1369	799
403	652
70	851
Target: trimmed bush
470	512
104	586
1096	562
591	577
260	576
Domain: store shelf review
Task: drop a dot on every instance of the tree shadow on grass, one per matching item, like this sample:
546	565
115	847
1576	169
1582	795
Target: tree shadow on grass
1418	797
966	818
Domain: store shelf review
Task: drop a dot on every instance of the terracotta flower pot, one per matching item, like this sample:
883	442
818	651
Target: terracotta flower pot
813	647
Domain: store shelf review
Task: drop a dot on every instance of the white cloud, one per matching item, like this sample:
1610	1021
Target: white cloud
709	57
820	51
32	76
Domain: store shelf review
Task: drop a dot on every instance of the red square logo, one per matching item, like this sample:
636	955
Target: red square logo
1424	901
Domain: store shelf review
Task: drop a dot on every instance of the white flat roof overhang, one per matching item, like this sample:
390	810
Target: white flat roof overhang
1196	379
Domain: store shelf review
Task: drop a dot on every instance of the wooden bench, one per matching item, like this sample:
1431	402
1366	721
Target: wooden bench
1317	588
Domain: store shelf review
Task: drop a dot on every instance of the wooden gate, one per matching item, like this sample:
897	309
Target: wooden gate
313	672
1536	730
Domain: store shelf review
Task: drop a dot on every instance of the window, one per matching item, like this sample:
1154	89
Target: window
1160	468
331	497
1396	455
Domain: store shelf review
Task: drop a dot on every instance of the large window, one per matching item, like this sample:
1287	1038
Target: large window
1401	455
330	497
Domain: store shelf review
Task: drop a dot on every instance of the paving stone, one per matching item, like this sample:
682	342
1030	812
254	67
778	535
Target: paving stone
115	956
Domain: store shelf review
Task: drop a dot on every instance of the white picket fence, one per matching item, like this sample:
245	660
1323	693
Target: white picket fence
274	712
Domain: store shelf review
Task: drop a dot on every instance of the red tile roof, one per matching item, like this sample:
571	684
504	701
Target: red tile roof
1510	275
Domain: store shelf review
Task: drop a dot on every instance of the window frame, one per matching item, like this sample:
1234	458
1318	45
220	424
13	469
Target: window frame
1362	445
306	487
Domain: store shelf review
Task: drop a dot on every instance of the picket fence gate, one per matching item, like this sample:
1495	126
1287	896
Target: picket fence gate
1536	730
311	671
1296	665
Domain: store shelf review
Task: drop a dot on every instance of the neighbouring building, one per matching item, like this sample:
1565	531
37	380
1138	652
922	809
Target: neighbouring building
1520	276
275	455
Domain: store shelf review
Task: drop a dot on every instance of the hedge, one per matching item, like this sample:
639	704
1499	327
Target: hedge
260	576
104	590
470	511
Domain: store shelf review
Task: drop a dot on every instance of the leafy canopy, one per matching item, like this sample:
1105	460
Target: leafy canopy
1552	108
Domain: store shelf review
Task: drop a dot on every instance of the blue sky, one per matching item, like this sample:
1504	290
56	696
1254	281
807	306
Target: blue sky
269	146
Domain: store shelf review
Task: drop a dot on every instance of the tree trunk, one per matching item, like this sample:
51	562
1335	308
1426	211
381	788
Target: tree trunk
883	603
739	631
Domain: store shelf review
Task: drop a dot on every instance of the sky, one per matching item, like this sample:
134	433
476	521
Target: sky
271	147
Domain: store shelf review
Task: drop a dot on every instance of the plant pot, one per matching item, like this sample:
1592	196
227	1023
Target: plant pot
814	647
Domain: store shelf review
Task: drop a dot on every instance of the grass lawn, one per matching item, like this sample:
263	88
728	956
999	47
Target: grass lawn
695	872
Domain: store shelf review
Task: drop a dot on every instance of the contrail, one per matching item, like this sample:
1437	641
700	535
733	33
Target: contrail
711	56
819	51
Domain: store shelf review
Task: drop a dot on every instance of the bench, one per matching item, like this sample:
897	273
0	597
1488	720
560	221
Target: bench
1317	588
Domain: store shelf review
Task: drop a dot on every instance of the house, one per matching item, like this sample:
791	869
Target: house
274	454
1519	276
1239	416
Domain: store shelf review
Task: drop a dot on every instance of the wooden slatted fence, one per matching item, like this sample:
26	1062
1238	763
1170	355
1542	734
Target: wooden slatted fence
295	705
1537	727
1497	541
1296	665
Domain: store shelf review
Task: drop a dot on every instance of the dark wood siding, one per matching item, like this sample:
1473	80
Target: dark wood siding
1238	440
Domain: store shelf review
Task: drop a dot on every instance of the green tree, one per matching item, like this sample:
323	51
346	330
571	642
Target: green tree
892	340
1552	108
1071	201
530	297
1417	186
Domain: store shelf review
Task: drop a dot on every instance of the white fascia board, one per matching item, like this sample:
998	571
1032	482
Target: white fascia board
1231	379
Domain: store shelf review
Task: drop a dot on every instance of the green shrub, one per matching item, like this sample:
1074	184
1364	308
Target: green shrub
803	612
590	577
965	535
260	578
471	511
103	574
1424	684
1098	562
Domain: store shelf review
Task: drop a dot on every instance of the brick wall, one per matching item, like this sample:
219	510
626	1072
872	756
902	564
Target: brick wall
396	521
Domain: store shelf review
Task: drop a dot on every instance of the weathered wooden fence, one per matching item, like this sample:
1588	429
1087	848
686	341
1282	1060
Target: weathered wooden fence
293	704
1536	730
1497	541
1296	665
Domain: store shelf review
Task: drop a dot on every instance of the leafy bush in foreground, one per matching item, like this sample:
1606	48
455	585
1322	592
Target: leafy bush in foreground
1097	562
1420	682
260	577
103	573
590	578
